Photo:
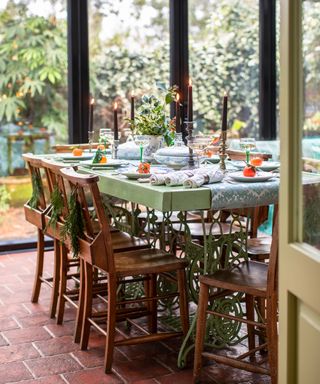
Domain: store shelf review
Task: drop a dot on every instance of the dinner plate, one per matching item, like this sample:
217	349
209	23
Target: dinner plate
260	176
266	166
210	160
85	156
111	163
136	175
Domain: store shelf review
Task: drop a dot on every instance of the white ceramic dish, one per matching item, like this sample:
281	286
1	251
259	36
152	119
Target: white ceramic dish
266	166
84	156
260	176
136	175
111	163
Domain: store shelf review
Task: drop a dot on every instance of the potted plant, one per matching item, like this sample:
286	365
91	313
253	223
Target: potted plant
151	120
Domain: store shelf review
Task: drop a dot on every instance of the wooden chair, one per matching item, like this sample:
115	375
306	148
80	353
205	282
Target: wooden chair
120	242
35	210
255	280
64	148
123	268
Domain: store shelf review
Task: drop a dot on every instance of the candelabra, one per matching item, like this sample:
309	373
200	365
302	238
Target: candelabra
189	138
222	151
115	148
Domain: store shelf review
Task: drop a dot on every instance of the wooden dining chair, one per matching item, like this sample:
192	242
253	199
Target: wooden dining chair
238	155
254	280
65	148
35	210
125	269
120	241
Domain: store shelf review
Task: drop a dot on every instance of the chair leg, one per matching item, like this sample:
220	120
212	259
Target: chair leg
39	268
183	301
200	332
56	279
111	324
153	318
272	335
80	311
63	283
250	316
85	332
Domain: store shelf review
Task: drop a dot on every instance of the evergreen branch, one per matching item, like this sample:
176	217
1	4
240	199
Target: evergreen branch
36	190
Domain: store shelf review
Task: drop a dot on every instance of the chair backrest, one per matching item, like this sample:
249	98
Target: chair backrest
63	148
38	200
95	242
272	286
241	155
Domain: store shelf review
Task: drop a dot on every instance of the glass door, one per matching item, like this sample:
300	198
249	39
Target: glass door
299	265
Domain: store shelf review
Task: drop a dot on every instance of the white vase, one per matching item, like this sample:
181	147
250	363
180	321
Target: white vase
155	142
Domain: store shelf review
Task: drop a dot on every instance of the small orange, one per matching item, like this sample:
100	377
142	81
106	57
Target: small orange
77	152
103	160
256	161
101	147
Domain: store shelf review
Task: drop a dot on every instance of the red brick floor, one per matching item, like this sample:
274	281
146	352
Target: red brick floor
34	349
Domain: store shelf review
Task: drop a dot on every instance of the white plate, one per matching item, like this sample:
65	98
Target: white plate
136	175
111	163
265	166
260	176
85	156
214	159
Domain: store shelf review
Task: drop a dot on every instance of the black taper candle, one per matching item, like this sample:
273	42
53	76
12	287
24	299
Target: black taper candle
115	121
225	113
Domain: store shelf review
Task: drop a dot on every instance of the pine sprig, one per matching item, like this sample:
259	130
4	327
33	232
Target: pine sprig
74	224
98	156
57	206
36	190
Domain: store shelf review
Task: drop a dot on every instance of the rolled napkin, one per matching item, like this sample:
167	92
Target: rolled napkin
157	179
202	177
178	178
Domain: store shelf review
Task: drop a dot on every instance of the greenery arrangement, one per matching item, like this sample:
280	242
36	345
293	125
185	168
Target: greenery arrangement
37	190
151	118
74	225
57	206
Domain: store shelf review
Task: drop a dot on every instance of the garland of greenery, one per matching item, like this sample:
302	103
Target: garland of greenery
57	206
74	224
36	190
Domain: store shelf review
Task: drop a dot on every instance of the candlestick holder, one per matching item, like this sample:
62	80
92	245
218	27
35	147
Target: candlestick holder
189	129
115	149
90	140
222	151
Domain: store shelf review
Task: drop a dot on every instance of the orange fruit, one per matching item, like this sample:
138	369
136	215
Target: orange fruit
249	171
101	147
103	160
77	152
256	161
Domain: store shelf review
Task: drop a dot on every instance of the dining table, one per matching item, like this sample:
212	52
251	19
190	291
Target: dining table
154	211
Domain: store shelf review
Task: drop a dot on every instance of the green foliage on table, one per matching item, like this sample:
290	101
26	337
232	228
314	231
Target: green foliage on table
33	69
74	225
98	156
151	116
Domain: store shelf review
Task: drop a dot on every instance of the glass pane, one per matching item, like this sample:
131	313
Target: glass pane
33	99
224	55
311	127
129	51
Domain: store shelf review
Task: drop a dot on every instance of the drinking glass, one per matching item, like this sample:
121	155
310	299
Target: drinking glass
106	136
198	144
141	141
90	140
247	144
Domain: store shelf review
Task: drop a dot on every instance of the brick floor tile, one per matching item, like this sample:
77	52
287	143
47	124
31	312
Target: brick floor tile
17	352
45	380
35	319
67	329
185	377
94	357
42	306
57	346
147	381
3	341
53	365
13	372
7	323
17	310
139	369
229	375
18	336
92	376
143	351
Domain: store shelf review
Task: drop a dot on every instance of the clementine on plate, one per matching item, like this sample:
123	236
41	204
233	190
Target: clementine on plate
77	152
256	161
103	160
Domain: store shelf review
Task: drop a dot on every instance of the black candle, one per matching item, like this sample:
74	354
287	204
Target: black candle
132	106
190	106
91	107
178	120
115	121
225	113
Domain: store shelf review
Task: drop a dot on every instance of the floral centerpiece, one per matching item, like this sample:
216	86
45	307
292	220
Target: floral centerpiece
151	119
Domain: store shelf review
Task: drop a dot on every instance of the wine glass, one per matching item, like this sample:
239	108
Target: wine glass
198	144
247	144
90	140
141	141
106	136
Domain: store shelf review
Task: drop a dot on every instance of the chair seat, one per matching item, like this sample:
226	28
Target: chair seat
248	277
196	229
122	242
145	261
259	246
